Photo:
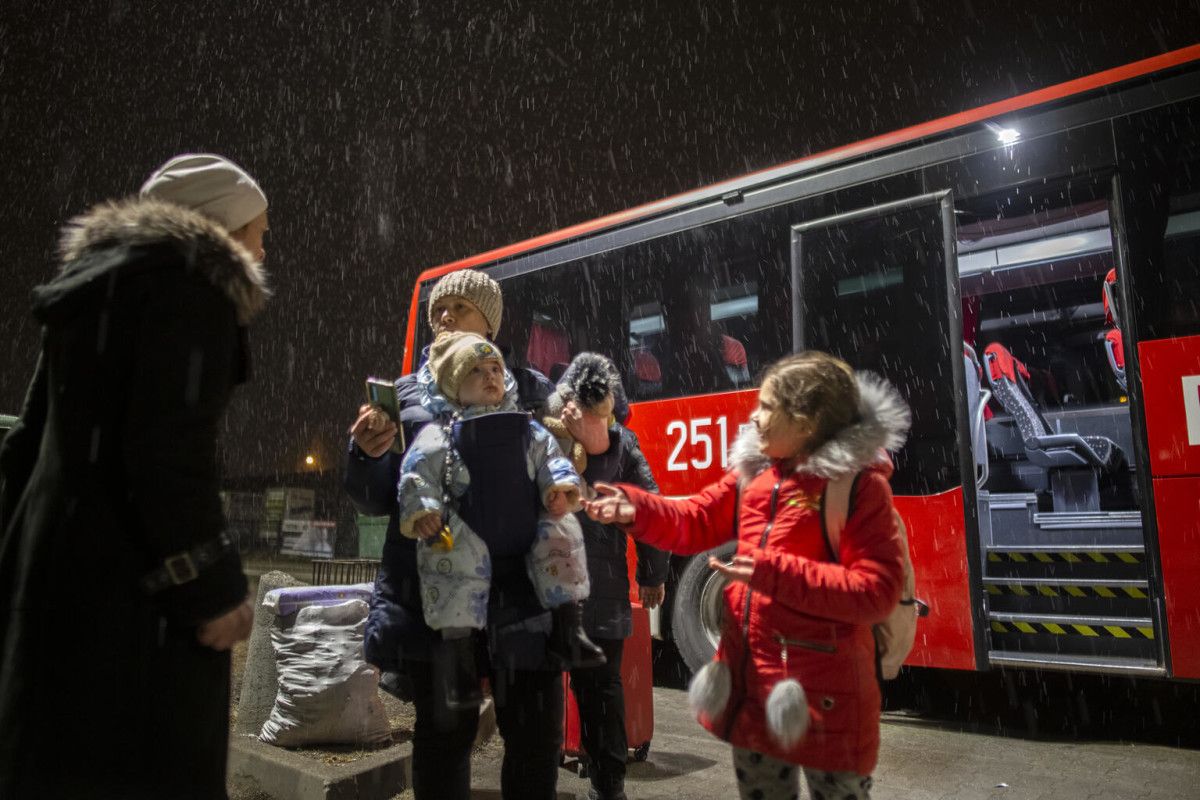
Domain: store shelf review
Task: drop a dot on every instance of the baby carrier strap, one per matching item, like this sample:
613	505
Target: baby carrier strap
501	503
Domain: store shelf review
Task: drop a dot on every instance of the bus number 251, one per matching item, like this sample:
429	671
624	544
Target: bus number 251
696	435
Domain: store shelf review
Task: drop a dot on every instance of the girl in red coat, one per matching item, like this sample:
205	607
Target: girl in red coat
793	682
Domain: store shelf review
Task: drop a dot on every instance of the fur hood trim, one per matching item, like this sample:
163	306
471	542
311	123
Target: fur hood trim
208	247
883	422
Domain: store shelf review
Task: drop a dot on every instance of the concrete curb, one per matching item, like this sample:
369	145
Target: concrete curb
288	775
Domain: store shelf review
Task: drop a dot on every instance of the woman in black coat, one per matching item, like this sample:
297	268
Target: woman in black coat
119	593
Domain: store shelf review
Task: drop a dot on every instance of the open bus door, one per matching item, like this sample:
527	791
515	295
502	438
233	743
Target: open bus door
878	287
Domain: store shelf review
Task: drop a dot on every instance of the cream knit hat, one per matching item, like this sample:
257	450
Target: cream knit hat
454	354
210	184
472	285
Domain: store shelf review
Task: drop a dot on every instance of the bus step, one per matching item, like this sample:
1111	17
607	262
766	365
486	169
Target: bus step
1103	598
1013	520
1088	520
1078	663
1073	635
1082	562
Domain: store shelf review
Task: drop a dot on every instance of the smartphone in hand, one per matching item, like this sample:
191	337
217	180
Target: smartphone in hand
382	394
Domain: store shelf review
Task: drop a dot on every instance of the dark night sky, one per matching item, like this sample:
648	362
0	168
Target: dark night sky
394	140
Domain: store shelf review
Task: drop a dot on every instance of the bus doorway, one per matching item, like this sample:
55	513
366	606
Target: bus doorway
1066	582
878	287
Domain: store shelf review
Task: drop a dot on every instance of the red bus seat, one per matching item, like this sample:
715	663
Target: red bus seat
1114	346
1074	462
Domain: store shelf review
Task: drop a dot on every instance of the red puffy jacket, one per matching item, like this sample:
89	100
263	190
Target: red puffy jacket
798	599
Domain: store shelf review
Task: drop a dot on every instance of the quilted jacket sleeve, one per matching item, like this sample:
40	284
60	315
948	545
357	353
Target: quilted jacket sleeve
420	490
551	468
864	586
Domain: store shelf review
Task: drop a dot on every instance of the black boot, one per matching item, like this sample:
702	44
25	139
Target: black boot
568	643
455	672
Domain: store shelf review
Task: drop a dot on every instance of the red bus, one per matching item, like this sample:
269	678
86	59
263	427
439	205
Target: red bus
1026	273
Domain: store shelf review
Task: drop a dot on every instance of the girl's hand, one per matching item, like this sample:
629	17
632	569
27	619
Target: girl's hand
740	569
611	506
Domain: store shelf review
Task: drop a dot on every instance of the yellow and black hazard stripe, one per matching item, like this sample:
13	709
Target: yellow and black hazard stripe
1075	629
1068	557
1093	590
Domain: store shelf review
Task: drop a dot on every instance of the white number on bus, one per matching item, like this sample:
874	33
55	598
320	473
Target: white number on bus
694	436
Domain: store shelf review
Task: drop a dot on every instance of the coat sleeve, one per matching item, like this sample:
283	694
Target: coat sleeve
19	451
186	363
421	488
652	563
864	586
551	468
371	482
688	525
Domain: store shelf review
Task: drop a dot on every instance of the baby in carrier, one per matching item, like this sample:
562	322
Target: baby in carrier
467	379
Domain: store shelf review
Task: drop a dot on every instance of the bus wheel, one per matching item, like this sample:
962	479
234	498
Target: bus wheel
697	609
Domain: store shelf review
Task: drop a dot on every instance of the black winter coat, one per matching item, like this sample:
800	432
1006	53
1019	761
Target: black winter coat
104	691
607	613
396	628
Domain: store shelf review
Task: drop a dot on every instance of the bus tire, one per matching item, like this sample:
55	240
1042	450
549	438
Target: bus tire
697	609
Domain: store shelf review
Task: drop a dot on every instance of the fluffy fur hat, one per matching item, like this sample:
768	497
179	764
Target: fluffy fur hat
454	354
590	380
475	287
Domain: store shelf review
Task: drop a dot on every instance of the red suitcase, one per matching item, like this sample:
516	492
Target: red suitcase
637	679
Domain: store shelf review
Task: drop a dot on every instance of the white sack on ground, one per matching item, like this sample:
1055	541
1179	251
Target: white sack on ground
327	693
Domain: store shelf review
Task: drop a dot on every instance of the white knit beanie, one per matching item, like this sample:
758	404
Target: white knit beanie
210	184
479	289
454	354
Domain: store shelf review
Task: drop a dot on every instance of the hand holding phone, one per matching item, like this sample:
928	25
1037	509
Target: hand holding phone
381	394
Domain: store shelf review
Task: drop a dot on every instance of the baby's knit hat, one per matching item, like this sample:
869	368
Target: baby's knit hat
454	354
479	289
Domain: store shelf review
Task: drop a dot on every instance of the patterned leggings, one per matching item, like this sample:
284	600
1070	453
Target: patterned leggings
764	778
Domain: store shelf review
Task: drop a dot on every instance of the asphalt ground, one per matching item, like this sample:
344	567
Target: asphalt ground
920	759
1003	734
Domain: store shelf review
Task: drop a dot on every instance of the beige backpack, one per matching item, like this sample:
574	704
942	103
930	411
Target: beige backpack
894	636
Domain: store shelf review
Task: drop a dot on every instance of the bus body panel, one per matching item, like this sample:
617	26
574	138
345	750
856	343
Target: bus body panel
937	544
1177	501
686	439
1171	394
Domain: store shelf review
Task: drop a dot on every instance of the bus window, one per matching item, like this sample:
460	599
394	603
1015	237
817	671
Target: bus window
1159	154
1032	263
694	312
873	290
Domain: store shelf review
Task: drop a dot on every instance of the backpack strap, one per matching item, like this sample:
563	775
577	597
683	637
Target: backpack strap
836	502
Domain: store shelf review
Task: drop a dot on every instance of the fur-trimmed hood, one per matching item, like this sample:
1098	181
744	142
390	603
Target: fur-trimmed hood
141	221
883	422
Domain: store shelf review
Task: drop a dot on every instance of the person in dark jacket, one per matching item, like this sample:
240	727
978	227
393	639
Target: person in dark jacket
593	383
526	686
120	594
